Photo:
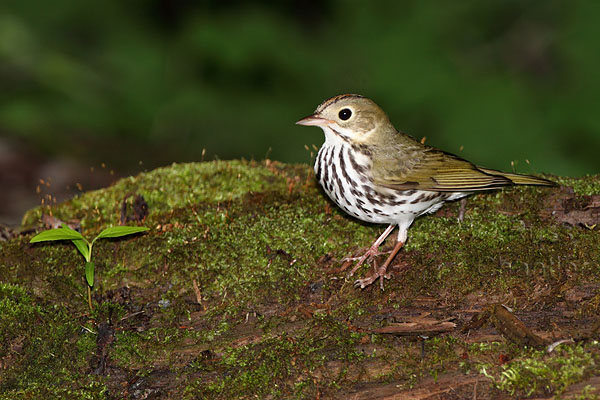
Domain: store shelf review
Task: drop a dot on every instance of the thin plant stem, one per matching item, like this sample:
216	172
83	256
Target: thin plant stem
90	298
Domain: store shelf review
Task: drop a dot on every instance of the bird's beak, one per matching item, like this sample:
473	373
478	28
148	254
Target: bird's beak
314	120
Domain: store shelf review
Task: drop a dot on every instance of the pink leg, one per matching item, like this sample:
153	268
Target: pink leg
373	250
379	273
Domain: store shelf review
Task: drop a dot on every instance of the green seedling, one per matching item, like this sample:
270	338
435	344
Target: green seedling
84	246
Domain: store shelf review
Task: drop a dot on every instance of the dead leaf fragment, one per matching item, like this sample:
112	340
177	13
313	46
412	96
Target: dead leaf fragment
565	207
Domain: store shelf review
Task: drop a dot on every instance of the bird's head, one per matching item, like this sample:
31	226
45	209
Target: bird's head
351	117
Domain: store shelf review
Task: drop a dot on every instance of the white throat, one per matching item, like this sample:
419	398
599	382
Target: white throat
336	135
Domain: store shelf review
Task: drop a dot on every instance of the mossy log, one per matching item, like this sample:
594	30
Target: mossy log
237	292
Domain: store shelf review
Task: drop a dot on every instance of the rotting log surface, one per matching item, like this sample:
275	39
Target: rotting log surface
236	293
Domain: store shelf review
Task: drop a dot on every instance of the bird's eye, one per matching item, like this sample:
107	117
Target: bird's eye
345	114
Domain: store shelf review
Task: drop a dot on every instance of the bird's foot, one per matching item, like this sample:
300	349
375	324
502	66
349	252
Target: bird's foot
379	272
363	283
370	254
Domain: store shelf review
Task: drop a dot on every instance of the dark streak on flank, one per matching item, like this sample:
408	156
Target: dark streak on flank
347	177
319	163
338	181
358	168
325	181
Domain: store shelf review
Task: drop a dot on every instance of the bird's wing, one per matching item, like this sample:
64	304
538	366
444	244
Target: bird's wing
426	168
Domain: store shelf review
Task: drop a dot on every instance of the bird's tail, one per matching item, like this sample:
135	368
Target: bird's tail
519	179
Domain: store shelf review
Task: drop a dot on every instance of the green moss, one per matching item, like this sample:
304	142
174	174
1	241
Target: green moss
41	350
282	365
585	185
541	373
236	289
166	188
87	390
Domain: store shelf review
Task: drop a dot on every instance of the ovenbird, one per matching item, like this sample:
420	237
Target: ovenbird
380	175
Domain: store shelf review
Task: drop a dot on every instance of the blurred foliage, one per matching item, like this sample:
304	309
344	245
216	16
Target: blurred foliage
157	81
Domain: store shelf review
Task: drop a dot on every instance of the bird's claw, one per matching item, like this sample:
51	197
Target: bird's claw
363	283
350	259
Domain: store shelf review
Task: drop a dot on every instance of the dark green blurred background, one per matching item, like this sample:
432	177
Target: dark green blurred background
157	81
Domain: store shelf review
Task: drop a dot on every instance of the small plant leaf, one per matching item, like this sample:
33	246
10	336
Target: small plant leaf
117	231
64	233
83	248
89	273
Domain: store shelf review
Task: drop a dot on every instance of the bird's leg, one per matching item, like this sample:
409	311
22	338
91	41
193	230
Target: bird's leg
373	253
462	209
380	272
373	250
